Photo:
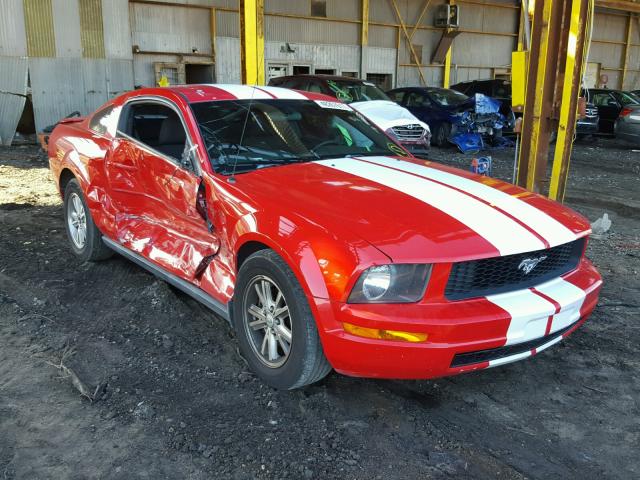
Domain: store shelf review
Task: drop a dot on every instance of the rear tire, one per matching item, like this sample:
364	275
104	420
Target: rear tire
84	237
276	330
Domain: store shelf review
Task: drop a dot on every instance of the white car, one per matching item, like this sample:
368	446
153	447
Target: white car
398	122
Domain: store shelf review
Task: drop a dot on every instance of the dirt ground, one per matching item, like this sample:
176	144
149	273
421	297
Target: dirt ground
177	400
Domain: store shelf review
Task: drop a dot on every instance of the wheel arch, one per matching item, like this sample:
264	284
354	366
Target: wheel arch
66	175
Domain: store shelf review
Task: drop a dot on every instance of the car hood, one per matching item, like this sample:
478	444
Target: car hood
386	114
414	210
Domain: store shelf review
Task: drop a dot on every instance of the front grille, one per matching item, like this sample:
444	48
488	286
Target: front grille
591	112
409	132
479	356
489	276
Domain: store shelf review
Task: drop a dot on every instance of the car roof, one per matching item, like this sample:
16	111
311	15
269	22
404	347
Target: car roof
215	92
320	76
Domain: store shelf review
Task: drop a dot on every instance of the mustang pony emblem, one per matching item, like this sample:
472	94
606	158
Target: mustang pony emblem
528	264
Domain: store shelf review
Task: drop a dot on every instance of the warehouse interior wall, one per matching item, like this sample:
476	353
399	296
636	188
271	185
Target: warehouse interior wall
72	55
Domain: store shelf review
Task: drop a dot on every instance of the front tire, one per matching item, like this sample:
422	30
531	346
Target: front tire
441	135
276	330
84	237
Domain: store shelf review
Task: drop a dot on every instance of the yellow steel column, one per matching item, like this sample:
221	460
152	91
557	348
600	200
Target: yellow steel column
570	93
536	127
251	15
447	69
364	38
626	52
446	77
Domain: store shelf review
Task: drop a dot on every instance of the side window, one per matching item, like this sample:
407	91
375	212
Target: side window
157	126
314	86
415	99
297	84
396	95
602	99
105	122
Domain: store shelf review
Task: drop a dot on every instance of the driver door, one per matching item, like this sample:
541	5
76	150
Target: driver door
166	227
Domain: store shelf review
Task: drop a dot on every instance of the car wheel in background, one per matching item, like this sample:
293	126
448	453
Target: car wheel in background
84	236
441	135
276	330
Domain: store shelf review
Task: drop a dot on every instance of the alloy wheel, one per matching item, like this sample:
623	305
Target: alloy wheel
267	321
77	221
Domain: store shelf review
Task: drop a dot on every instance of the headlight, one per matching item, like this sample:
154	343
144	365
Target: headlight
402	283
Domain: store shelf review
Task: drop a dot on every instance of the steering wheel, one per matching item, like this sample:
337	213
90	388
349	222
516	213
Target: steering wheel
325	143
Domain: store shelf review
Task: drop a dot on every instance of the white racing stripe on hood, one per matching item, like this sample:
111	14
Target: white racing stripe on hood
505	234
547	227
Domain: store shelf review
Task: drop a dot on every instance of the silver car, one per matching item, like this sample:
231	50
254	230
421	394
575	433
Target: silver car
628	124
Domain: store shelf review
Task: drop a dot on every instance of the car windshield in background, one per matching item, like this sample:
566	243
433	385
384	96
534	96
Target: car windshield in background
446	97
284	131
627	99
356	91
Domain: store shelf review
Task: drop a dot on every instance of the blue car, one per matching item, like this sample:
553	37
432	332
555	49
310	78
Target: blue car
440	108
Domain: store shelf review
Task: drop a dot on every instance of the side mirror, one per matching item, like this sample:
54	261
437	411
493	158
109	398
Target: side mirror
187	160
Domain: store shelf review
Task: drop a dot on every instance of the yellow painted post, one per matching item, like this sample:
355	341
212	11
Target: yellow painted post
447	69
364	39
570	94
530	147
252	41
446	77
521	28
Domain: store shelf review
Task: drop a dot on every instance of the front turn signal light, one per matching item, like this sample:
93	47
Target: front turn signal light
381	334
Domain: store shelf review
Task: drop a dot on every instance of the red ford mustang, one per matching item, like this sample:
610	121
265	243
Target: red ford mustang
323	242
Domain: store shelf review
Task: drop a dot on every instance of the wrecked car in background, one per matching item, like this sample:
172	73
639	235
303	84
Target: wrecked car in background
321	241
471	123
365	97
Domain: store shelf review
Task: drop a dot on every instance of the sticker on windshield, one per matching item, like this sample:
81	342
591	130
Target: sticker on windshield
334	105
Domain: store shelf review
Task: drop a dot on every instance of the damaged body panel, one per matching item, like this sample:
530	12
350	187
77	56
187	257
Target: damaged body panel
468	122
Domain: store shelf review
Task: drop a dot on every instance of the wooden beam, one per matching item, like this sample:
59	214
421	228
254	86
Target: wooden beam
626	53
407	38
624	5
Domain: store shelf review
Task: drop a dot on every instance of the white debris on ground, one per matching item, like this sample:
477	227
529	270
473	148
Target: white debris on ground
601	226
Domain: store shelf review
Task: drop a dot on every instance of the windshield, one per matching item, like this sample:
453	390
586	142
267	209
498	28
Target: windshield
285	131
446	97
356	91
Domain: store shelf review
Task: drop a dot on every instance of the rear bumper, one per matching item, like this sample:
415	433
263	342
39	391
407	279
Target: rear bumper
629	132
509	326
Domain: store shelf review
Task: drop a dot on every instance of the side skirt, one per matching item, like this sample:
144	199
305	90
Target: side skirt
194	292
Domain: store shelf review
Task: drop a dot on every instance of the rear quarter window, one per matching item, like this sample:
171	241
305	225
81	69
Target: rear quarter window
105	121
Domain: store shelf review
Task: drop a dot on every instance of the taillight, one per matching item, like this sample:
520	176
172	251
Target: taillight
626	111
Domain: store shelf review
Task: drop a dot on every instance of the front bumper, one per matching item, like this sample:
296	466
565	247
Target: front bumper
509	326
587	126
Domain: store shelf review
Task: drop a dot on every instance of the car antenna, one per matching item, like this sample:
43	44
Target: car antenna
232	178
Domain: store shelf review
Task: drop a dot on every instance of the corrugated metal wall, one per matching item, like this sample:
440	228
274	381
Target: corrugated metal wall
91	29
81	50
13	90
13	40
38	19
66	25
